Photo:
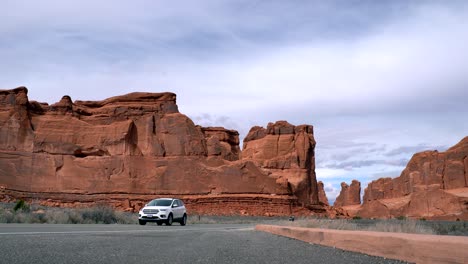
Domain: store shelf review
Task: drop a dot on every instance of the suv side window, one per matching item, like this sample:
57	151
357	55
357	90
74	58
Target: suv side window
175	204
180	202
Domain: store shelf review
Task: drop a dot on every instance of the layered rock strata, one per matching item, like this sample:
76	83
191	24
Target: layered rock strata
129	149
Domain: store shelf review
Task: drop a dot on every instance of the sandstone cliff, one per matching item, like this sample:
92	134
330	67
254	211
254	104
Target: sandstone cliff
129	149
287	153
434	185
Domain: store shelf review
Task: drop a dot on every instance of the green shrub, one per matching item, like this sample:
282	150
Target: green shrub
357	217
401	217
21	205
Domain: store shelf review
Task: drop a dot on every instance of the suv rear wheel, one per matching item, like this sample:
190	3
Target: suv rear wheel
169	220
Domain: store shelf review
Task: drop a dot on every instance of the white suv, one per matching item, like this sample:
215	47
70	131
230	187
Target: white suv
163	210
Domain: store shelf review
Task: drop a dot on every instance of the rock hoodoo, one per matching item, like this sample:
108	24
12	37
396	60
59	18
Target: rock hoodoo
321	193
349	195
128	149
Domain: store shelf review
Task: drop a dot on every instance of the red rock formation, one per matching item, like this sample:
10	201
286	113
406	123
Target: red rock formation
222	142
433	185
128	149
349	195
321	194
286	152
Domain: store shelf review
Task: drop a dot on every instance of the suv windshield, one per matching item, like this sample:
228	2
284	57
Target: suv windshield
160	202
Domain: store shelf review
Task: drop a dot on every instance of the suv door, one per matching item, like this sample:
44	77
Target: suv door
182	208
176	209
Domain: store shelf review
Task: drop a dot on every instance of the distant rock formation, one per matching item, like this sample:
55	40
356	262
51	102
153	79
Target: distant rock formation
127	150
349	195
434	185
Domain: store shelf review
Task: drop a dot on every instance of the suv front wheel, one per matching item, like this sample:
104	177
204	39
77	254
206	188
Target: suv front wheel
184	220
169	220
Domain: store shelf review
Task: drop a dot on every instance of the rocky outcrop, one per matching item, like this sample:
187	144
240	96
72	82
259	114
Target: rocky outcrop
286	153
349	194
129	149
321	194
222	142
434	185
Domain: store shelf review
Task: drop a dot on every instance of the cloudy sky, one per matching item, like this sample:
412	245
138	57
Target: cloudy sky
379	80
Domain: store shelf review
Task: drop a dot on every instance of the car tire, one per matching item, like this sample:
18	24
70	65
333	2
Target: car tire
141	222
159	223
184	220
169	220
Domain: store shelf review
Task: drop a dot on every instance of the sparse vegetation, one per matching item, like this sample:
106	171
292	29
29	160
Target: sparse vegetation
212	219
402	226
23	213
391	225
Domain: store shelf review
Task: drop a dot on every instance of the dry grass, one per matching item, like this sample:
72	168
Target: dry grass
213	219
403	226
396	226
339	224
53	215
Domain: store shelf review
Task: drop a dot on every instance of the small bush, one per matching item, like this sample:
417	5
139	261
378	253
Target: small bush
357	217
21	205
401	217
99	215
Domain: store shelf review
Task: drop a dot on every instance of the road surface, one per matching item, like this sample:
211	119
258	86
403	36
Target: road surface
42	243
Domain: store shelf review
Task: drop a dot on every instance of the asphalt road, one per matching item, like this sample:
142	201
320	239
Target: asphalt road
41	243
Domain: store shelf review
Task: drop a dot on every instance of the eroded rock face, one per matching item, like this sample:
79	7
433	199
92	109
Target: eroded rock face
16	132
222	142
286	152
349	194
433	185
129	149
